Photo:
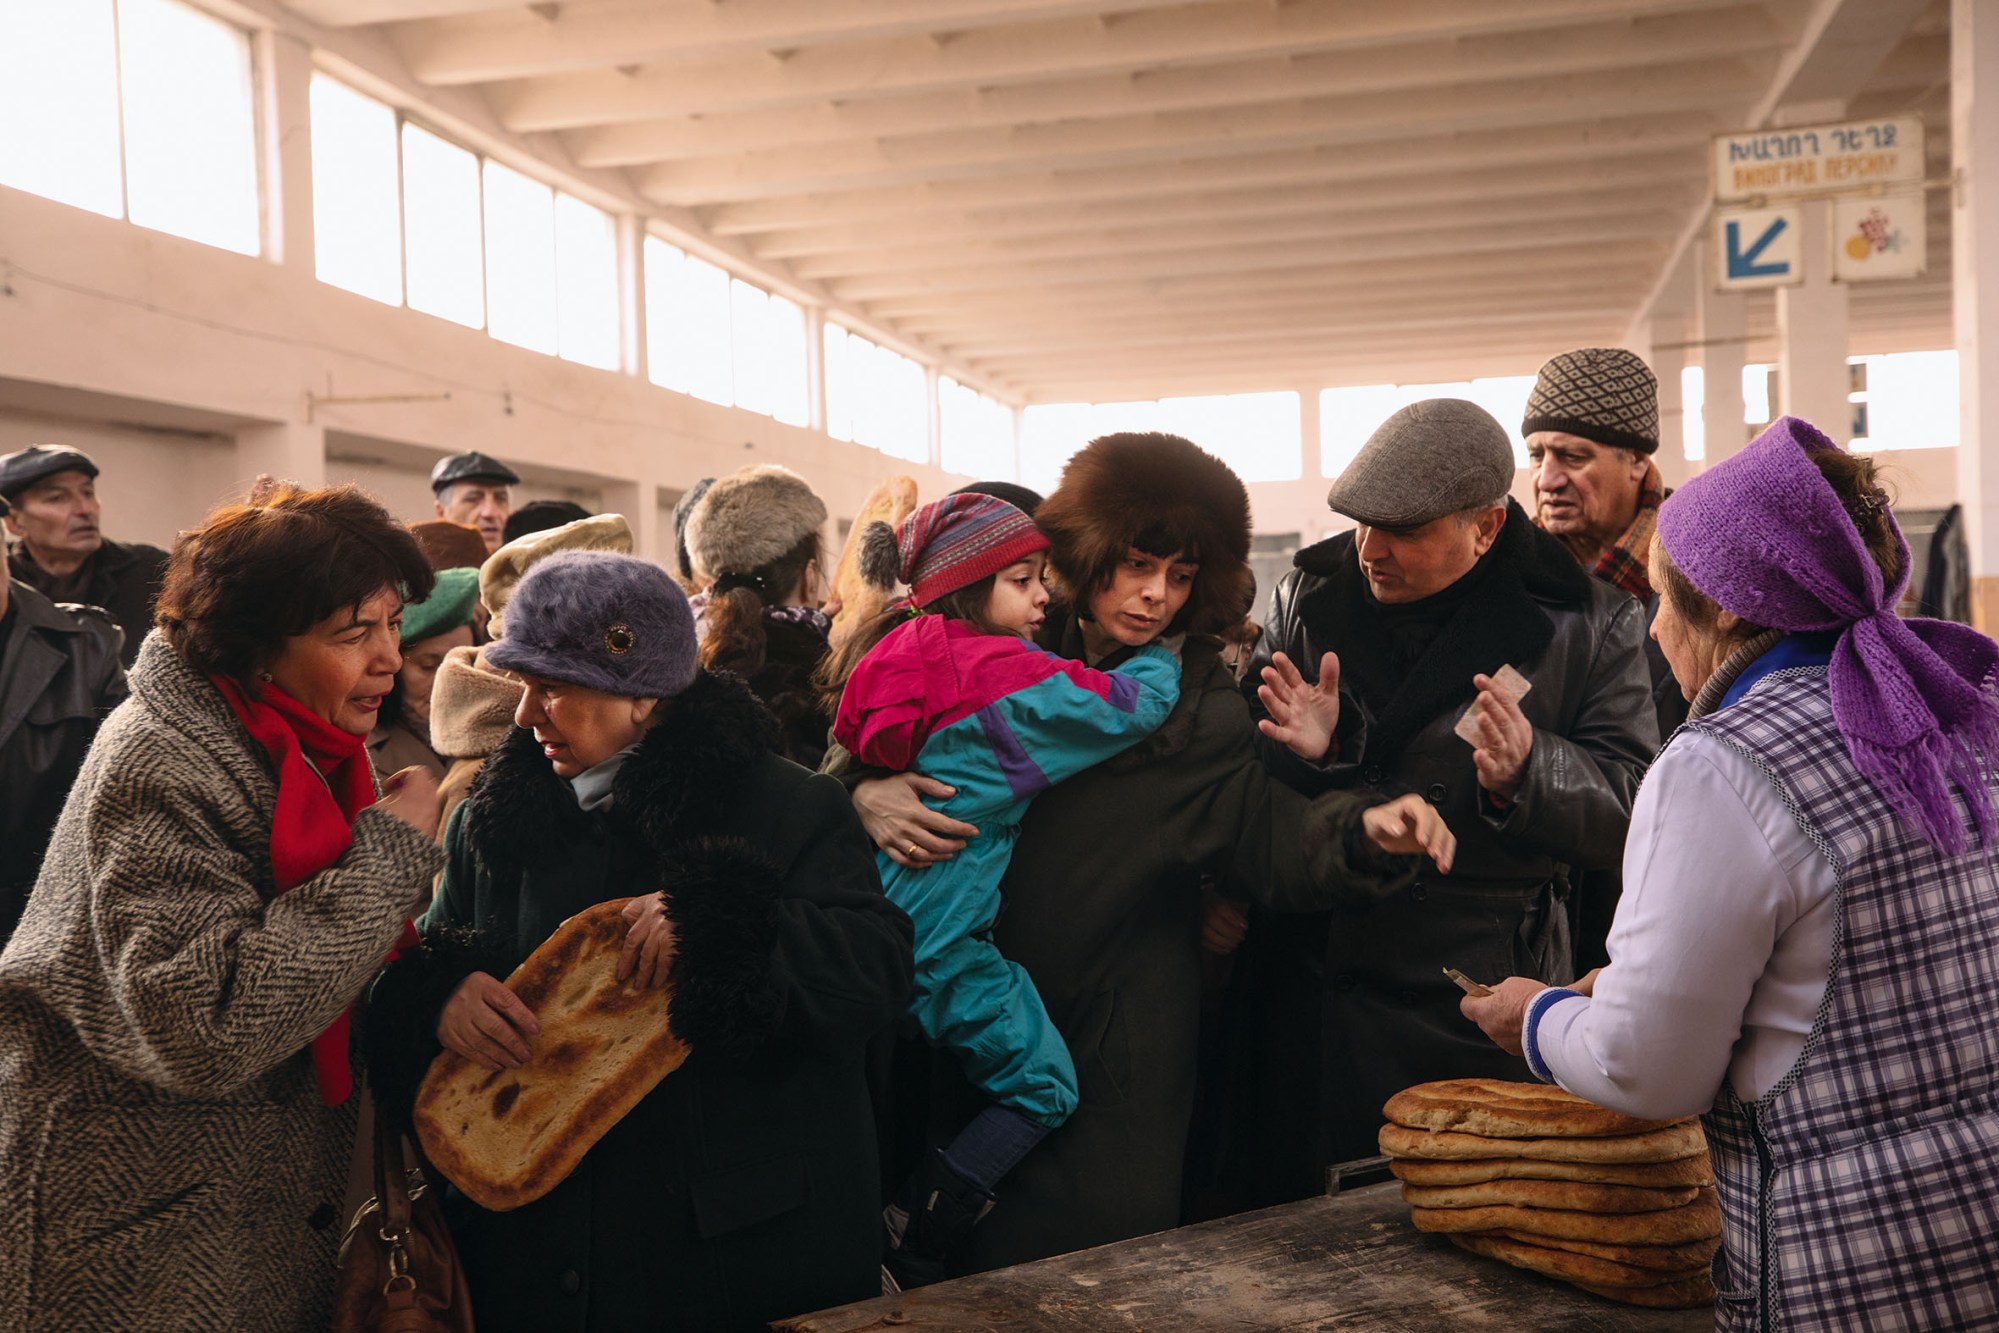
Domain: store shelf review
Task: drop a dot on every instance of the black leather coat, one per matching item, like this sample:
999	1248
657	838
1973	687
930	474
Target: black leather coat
59	677
124	580
1347	1008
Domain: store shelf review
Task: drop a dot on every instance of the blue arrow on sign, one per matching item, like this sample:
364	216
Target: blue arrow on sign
1742	263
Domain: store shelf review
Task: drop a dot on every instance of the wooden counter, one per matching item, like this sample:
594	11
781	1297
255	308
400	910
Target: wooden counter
1350	1261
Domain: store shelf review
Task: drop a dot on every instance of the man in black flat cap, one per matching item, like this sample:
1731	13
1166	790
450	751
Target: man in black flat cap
59	549
476	490
1405	622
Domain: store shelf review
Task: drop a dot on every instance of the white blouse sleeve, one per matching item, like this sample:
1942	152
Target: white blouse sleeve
1716	871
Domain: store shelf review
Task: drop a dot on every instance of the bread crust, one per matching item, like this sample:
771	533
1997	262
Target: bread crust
1497	1109
1571	1267
1661	1258
506	1138
1699	1220
1660	1145
1574	1195
1686	1294
1654	1175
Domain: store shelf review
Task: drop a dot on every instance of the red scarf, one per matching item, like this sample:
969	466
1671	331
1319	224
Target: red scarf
314	823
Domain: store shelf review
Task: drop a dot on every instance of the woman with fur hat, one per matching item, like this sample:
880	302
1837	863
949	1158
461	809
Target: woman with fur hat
1149	537
755	534
949	681
744	1187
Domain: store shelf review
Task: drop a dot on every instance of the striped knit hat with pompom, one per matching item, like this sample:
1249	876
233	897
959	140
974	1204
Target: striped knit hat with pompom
947	545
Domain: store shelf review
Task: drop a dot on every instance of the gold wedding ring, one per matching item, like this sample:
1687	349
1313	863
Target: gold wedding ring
915	849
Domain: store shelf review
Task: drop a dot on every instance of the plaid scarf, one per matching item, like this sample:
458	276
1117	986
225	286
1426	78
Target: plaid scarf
1623	563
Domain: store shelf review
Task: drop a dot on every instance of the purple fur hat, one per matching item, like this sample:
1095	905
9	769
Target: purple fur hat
605	621
1764	535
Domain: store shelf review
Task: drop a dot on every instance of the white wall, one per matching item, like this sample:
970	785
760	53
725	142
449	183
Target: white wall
154	481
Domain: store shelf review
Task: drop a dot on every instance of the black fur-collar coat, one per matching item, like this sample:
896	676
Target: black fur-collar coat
743	1188
1390	1016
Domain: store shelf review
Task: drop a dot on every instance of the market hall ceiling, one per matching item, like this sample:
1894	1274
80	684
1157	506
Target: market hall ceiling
1107	199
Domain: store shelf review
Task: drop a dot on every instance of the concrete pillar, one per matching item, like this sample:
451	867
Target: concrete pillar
637	499
1668	358
1974	262
288	451
815	367
634	357
285	63
1811	334
1722	327
1309	467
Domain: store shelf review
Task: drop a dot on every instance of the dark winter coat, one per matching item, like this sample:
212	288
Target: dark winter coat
59	677
124	580
1102	904
743	1188
1350	1007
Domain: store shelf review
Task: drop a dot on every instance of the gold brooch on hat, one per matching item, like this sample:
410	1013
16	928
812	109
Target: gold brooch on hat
620	639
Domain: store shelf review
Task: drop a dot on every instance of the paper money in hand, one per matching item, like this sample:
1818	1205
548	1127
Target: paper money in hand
1505	681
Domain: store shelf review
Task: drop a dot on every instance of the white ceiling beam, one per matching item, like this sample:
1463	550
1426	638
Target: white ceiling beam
958	154
1637	230
1562	268
1202	34
602	34
1268	302
1331	230
355	13
1471	189
1583	49
1553	150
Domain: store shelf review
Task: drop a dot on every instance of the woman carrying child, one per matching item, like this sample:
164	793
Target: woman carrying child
965	695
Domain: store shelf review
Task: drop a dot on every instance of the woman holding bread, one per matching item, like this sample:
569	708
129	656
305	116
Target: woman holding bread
1149	538
743	1187
177	1114
1807	948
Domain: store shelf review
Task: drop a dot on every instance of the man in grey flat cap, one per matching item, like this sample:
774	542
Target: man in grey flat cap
1405	622
59	548
476	490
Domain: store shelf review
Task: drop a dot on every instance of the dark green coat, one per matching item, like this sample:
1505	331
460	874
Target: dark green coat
1102	909
744	1188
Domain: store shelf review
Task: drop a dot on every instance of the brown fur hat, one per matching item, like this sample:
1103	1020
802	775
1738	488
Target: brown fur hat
751	518
1164	495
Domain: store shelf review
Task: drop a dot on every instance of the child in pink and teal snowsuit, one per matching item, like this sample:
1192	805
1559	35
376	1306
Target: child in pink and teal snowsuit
955	687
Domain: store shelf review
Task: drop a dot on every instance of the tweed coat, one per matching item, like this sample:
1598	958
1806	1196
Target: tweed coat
165	1160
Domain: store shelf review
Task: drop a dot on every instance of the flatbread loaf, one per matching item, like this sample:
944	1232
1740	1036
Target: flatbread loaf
1698	1220
507	1138
1575	1195
1661	1258
1654	1175
1570	1267
1496	1109
1682	1295
890	503
1660	1145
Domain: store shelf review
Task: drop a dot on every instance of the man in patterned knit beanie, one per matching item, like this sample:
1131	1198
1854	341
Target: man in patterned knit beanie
1592	427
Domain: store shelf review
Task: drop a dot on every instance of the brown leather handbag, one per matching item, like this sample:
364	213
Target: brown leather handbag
399	1271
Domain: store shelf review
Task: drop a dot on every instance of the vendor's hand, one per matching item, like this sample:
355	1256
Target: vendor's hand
410	794
487	1024
1411	826
1302	717
898	822
1223	925
1500	1014
1505	738
648	951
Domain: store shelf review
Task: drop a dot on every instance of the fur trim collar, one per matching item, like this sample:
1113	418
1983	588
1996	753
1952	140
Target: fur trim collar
688	772
1506	621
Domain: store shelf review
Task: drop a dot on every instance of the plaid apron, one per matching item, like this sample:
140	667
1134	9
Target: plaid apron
1862	1192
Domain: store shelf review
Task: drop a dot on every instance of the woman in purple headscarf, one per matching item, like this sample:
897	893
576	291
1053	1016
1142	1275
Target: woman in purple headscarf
1807	950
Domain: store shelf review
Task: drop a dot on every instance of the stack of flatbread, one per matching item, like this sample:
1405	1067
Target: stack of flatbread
1543	1180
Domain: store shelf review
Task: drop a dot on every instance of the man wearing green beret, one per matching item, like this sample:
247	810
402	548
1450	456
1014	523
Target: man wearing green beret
431	628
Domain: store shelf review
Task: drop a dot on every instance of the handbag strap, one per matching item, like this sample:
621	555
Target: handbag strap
391	1181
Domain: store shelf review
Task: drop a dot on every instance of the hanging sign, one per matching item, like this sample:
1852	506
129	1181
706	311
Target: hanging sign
1758	247
1818	159
1879	238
